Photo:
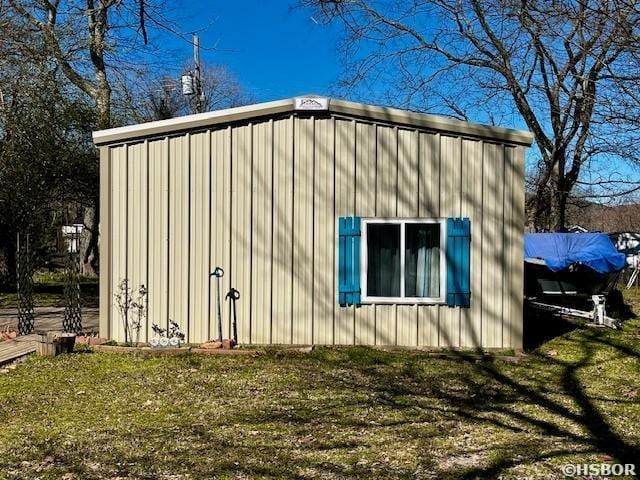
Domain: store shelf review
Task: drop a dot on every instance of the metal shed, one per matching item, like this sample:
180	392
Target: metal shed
335	220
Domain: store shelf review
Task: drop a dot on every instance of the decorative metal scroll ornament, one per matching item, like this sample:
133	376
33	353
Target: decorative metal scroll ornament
72	321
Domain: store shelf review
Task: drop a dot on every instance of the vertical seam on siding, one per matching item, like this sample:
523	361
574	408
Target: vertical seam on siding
209	236
188	309
460	194
271	252
333	236
293	210
230	246
481	296
417	210
375	213
147	222
397	185
438	154
168	273
354	200
126	223
332	223
439	141
110	244
251	168
502	255
313	224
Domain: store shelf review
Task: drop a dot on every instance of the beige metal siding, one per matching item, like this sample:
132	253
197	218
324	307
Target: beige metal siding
262	199
118	225
219	242
241	225
492	247
450	203
179	232
261	247
428	206
158	225
365	200
386	206
514	244
407	198
199	234
471	318
283	167
302	321
136	216
344	188
323	233
105	240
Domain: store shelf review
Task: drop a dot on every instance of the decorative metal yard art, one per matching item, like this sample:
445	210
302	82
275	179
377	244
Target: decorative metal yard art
25	286
233	296
218	273
171	337
72	321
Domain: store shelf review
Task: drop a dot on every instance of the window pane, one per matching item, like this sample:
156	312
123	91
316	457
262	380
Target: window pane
422	260
383	260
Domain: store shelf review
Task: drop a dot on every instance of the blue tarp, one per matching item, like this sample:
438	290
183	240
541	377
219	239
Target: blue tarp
559	250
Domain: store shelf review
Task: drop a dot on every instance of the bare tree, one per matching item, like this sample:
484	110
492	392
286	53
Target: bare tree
569	69
79	36
161	97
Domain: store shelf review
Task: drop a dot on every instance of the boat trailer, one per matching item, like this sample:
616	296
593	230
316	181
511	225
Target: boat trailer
598	315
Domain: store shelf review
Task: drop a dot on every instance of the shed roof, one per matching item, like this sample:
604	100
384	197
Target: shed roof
323	105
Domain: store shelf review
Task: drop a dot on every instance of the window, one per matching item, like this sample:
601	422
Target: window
403	260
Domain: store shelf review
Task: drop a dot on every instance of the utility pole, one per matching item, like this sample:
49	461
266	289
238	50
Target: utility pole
196	72
191	81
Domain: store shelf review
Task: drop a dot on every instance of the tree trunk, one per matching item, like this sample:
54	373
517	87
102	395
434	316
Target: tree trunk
558	204
559	194
90	257
89	238
537	206
89	243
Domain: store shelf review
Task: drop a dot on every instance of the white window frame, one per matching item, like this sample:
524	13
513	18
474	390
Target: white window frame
366	299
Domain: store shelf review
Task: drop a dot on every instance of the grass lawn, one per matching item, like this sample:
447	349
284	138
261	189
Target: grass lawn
332	413
48	291
48	299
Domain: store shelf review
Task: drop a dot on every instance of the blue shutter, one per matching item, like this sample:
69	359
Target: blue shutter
458	262
349	261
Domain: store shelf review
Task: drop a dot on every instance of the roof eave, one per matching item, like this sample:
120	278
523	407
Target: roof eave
431	122
370	112
198	120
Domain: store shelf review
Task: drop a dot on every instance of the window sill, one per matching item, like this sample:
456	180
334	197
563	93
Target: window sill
401	301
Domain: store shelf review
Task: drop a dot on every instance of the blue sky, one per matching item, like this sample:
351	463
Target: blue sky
275	51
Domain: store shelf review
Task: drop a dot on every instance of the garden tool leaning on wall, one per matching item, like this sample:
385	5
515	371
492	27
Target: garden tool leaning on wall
218	273
233	296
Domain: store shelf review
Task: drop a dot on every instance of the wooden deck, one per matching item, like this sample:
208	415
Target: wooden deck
11	350
46	319
49	319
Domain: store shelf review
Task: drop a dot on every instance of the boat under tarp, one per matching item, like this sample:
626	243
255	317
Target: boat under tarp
570	267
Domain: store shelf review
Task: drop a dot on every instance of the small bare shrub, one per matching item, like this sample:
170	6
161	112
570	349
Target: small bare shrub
133	312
